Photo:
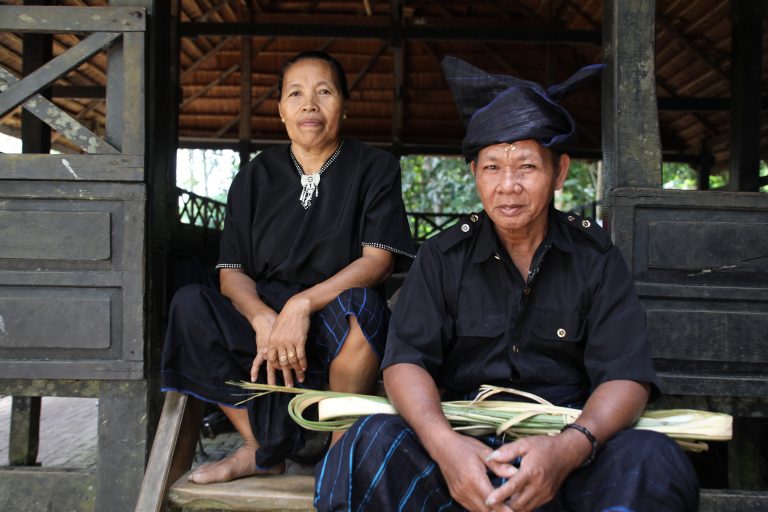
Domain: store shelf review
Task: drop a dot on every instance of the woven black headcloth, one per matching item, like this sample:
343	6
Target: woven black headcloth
502	108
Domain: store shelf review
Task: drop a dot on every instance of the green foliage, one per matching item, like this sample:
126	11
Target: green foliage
580	186
675	175
208	172
438	185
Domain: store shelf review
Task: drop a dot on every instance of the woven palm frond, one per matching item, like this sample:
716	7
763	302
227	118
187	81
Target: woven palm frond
337	411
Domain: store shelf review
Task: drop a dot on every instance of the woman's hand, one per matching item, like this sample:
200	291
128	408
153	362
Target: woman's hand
262	324
288	341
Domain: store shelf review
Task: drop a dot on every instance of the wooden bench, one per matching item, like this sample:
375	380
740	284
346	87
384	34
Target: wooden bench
165	485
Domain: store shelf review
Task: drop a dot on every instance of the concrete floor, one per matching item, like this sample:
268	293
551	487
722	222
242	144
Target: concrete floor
68	431
68	434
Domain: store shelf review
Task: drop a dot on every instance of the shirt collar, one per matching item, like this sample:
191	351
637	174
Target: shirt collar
488	244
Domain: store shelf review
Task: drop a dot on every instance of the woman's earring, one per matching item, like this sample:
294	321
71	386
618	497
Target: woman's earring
344	115
282	120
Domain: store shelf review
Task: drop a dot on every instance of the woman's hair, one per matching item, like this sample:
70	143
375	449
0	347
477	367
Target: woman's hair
338	72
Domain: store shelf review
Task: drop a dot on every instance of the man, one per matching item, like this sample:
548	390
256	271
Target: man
519	296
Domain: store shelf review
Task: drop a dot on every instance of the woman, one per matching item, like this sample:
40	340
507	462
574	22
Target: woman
313	229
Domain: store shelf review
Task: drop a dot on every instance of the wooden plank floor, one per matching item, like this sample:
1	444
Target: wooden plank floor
292	491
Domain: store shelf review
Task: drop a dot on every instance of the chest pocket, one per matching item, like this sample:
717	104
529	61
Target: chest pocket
490	325
556	330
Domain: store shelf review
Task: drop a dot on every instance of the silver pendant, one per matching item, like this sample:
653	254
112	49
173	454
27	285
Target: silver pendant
309	183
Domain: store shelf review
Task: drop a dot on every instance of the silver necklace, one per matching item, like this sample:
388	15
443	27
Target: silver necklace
310	182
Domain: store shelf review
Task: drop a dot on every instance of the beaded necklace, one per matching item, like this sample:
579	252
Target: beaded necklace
310	182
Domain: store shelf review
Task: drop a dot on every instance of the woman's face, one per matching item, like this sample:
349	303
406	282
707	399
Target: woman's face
311	105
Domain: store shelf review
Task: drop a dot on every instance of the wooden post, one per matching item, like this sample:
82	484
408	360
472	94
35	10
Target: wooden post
35	138
706	161
746	77
246	79
396	42
38	49
25	430
631	144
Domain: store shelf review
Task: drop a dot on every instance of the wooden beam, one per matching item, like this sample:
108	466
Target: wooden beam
90	107
246	81
631	144
701	104
50	114
79	91
213	10
397	44
370	28
371	62
211	53
25	430
59	19
29	85
37	50
681	38
746	88
210	85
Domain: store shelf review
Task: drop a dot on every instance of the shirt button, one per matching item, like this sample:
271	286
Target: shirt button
465	227
515	349
497	256
526	290
561	333
571	218
586	223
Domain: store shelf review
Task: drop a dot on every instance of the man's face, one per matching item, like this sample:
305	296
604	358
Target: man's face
516	181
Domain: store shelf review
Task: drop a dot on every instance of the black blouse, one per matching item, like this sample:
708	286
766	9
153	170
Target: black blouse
270	235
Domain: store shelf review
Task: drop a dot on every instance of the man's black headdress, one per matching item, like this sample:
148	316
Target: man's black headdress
502	108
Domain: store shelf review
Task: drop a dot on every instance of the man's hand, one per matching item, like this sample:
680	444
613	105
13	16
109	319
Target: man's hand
546	461
462	463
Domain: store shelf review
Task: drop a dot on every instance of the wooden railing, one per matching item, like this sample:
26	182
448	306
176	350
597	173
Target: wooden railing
208	213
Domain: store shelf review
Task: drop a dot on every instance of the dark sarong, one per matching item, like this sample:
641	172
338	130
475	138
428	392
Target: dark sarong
209	343
379	464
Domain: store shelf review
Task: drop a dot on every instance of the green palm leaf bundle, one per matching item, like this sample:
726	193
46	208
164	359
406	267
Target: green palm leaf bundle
337	411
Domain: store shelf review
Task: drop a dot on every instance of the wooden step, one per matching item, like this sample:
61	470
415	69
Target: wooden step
727	500
292	491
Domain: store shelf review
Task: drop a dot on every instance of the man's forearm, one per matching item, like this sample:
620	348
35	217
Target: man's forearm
414	394
613	406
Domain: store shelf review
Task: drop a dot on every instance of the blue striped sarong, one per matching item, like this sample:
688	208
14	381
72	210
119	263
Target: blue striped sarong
379	465
208	343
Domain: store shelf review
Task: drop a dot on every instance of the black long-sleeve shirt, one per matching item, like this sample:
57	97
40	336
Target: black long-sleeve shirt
468	317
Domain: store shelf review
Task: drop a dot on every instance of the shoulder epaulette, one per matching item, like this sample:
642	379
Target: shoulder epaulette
587	227
462	230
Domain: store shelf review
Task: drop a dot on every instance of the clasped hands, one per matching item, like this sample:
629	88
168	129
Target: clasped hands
465	461
281	341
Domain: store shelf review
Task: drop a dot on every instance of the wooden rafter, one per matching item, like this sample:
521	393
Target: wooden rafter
210	86
213	10
212	53
371	62
676	34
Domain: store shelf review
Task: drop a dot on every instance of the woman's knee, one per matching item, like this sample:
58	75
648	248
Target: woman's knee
191	293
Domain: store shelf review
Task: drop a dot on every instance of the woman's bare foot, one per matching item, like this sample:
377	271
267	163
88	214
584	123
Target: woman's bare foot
239	464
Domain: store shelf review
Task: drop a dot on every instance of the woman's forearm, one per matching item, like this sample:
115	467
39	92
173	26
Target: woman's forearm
370	270
241	290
